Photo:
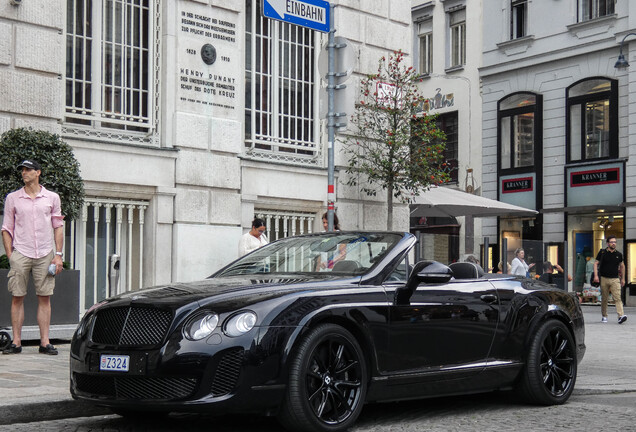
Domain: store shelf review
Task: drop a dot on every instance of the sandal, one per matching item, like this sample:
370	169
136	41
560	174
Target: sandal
13	349
48	349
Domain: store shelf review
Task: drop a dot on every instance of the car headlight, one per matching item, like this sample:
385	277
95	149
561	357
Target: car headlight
240	324
202	326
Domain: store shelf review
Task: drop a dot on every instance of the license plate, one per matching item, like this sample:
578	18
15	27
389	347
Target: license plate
117	363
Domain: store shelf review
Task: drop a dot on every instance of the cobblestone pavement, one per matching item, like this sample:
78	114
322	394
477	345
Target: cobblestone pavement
605	412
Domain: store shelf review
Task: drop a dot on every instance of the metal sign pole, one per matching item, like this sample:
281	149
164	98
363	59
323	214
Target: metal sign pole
331	127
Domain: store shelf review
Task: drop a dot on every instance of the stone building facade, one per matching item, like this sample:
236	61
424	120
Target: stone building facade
188	118
557	122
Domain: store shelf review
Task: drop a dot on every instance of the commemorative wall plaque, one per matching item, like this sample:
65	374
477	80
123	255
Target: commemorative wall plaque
208	60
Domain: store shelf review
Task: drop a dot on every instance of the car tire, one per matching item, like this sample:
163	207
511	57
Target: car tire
550	372
327	382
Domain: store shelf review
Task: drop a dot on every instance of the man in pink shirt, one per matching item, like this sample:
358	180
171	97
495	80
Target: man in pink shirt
32	223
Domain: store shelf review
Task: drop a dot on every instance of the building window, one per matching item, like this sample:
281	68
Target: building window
590	9
109	64
280	90
457	26
426	54
592	119
518	132
449	125
518	19
425	46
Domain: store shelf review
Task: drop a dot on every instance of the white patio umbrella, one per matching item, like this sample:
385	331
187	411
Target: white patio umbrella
445	202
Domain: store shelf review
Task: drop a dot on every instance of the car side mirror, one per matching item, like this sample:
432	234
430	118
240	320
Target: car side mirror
430	272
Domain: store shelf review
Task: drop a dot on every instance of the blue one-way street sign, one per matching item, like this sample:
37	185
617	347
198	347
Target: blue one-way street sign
313	14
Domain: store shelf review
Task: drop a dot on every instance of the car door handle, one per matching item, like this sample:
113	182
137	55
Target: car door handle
489	298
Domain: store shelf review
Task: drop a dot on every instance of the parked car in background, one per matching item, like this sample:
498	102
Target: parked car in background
287	331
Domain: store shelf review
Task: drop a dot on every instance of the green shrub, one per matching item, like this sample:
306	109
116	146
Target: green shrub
4	262
60	169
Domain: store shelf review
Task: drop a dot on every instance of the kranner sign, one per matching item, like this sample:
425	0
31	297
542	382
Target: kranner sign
516	185
595	177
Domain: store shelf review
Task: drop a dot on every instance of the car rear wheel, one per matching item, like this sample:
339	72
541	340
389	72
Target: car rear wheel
550	372
327	382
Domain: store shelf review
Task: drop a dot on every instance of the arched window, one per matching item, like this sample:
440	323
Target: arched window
519	120
592	119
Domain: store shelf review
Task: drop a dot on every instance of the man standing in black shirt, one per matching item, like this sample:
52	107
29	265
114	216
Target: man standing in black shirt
611	269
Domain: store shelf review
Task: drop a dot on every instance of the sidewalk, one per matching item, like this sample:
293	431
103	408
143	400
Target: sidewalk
35	387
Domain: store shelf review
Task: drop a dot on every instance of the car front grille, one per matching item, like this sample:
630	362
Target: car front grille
131	326
227	373
135	388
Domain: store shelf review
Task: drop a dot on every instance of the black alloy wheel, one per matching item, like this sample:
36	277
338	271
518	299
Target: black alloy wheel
551	367
327	382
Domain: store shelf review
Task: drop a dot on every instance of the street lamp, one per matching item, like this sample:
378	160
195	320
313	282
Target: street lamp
622	62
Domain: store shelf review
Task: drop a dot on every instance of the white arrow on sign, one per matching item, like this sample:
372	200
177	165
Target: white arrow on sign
299	9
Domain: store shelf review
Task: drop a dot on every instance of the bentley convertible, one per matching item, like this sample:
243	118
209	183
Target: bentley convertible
310	328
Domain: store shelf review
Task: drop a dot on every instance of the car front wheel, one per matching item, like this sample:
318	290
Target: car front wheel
550	372
327	382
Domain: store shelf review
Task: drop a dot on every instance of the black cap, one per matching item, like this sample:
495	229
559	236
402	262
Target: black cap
31	164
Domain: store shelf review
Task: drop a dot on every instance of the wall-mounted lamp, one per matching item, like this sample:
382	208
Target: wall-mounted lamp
622	62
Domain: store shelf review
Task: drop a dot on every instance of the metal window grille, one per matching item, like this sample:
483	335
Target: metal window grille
107	227
286	224
109	64
281	96
458	37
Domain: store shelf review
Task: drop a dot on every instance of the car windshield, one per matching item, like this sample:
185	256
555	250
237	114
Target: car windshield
342	253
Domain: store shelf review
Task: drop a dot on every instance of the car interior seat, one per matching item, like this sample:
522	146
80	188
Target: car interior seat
466	270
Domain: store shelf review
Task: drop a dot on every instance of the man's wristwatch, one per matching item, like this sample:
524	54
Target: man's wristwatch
59	253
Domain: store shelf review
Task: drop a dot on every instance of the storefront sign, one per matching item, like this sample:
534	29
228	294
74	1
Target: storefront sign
594	177
520	191
595	185
517	185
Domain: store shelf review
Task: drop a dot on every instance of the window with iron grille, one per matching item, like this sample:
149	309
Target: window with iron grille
518	19
281	94
107	227
109	64
590	9
457	26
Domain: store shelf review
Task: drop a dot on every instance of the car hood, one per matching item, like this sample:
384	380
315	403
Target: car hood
231	289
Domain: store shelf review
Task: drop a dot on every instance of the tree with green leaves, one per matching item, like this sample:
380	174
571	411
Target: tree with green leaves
60	169
395	145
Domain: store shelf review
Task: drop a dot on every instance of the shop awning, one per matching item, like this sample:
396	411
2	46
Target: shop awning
444	201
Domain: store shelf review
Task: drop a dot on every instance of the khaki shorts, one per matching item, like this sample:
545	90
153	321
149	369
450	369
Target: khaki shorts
22	266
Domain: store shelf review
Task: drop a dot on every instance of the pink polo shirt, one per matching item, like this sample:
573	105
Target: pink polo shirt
30	222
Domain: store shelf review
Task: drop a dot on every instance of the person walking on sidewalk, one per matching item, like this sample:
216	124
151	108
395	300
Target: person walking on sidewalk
32	227
609	266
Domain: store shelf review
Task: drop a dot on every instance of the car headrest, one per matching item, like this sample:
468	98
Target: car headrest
346	266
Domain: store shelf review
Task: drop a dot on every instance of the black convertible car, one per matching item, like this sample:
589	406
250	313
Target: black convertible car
310	328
